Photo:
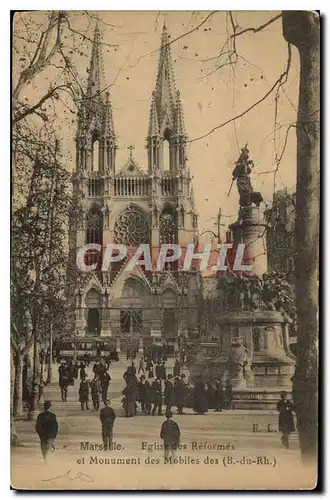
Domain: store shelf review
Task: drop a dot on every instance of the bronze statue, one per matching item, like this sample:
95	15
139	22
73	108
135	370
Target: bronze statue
241	174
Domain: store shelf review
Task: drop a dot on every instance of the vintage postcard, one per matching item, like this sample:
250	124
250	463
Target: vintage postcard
165	250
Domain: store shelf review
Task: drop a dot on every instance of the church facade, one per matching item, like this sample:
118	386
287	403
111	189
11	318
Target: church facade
131	205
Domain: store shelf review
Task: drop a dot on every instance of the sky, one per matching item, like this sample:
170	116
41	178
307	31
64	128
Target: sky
210	96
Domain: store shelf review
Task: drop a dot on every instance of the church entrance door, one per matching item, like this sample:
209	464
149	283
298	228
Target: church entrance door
93	322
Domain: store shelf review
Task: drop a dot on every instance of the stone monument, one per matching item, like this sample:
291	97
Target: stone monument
251	350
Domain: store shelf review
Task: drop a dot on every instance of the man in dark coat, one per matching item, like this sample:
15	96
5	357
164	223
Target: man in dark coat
130	392
156	391
200	401
285	418
63	381
82	371
105	381
107	417
218	396
168	393
163	371
179	394
95	392
84	394
46	428
210	391
75	370
158	371
176	368
170	433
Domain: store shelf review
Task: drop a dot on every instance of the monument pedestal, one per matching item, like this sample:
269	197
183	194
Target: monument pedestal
270	362
251	229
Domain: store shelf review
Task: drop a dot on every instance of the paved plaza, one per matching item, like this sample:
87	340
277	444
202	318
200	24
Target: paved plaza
231	449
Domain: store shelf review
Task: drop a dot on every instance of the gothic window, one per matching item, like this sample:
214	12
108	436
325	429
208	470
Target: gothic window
166	155
96	156
168	226
132	228
131	321
94	232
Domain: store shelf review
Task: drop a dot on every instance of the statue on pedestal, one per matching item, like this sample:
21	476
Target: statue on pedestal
241	174
238	362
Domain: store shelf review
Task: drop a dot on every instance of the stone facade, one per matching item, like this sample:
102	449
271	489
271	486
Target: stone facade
280	234
131	207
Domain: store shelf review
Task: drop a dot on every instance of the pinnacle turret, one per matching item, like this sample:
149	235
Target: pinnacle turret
153	120
179	120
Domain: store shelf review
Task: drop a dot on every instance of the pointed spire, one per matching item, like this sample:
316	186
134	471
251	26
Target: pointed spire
96	80
108	125
153	120
179	120
165	84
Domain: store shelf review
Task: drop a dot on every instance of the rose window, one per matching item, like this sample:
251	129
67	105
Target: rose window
132	228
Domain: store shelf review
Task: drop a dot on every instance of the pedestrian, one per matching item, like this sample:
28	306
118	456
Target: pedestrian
176	368
285	418
84	394
141	366
130	393
107	417
199	395
82	371
142	394
128	355
156	394
133	368
218	396
63	381
95	392
179	395
170	433
105	381
168	393
149	368
75	370
210	392
46	428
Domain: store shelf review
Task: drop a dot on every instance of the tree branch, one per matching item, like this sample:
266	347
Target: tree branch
268	93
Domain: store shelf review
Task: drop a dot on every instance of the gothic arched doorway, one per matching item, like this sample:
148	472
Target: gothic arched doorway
93	303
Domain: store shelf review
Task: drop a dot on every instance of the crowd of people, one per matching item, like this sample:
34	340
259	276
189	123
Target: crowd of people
97	387
158	391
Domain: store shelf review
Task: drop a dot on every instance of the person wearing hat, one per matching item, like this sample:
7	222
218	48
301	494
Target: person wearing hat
285	418
107	418
46	428
170	434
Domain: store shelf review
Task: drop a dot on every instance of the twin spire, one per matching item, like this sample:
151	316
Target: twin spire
166	118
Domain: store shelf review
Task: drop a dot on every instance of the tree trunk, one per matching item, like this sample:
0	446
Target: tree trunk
13	434
18	386
301	28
